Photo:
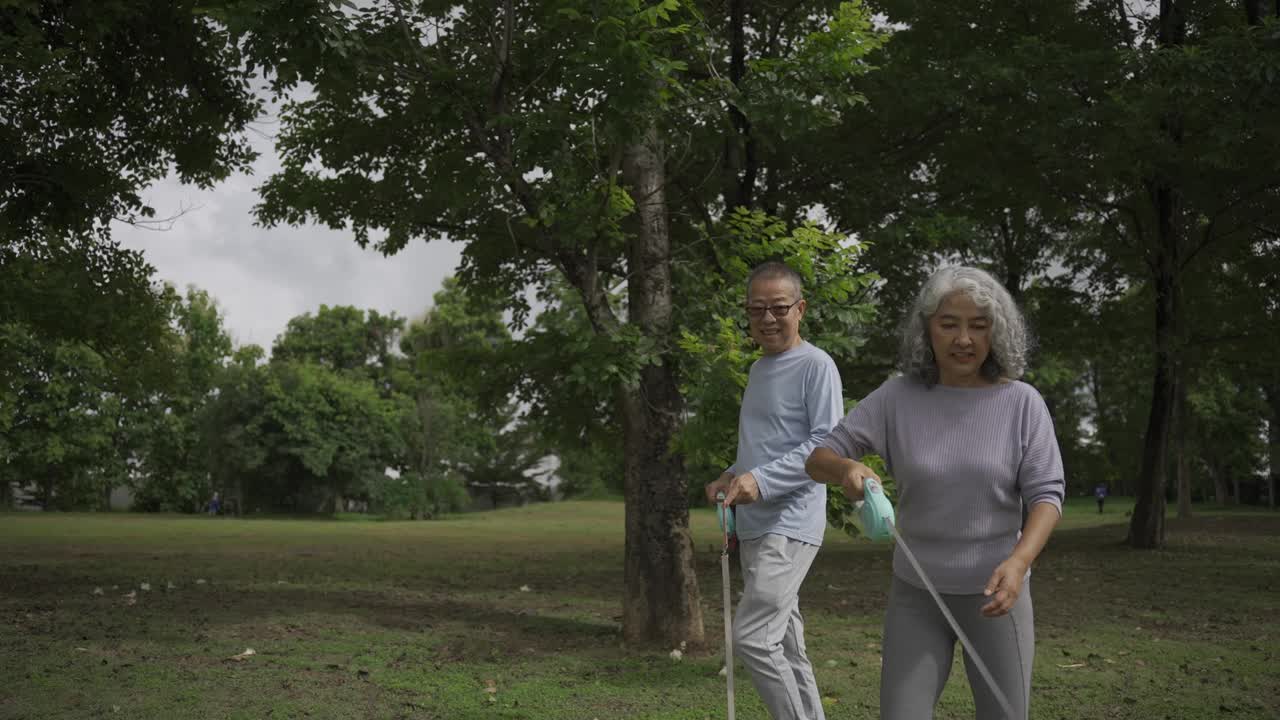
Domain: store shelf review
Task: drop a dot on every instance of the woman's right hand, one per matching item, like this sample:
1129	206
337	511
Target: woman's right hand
826	467
854	480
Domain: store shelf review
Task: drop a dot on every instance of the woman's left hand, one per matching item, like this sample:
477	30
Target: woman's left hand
1004	586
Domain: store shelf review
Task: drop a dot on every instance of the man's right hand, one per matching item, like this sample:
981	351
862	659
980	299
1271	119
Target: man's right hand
855	478
719	485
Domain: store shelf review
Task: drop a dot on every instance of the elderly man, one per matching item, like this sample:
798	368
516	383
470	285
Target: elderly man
792	400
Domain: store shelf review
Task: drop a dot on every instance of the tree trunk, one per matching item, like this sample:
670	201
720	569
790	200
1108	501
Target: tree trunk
1180	455
1103	431
741	165
1272	393
1147	528
1256	10
46	489
1221	495
661	602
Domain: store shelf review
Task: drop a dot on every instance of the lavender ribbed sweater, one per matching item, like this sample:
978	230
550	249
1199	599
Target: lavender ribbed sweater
965	461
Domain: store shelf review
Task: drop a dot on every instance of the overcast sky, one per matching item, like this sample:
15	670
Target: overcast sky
263	277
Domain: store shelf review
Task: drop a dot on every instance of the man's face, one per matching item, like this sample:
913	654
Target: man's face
767	296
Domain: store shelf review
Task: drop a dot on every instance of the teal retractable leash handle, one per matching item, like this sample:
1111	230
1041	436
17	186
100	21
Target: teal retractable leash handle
725	515
879	524
875	511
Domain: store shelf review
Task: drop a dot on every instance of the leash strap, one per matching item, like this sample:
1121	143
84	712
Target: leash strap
955	626
726	528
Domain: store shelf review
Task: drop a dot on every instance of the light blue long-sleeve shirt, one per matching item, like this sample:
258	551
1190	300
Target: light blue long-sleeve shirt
793	399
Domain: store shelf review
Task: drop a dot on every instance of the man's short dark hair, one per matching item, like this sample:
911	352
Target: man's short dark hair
776	269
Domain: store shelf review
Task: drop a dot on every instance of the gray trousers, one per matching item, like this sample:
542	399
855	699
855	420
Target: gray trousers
768	632
919	646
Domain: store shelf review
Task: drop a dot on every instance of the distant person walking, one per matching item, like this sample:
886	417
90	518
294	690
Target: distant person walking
1100	494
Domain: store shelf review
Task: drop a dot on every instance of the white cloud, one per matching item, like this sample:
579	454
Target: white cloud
263	277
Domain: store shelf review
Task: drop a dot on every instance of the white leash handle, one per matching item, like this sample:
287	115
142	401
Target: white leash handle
726	527
955	626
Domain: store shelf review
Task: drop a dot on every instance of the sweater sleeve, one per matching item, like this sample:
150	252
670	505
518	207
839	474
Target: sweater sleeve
1040	475
864	430
824	401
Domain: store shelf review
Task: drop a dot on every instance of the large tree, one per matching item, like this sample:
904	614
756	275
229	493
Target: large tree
1131	152
561	139
463	429
172	473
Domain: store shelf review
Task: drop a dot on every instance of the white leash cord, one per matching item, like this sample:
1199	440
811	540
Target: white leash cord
728	622
955	626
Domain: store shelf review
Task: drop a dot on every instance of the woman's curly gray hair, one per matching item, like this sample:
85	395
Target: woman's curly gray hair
1010	339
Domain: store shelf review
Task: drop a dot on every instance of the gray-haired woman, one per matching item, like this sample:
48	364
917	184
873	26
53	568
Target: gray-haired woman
969	446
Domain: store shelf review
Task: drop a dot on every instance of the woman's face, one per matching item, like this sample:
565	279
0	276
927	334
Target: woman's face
960	334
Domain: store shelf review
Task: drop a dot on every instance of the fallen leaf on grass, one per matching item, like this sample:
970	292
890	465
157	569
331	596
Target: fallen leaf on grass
491	690
248	652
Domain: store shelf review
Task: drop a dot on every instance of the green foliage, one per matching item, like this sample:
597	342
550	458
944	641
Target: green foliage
171	472
417	496
90	290
813	86
460	426
344	340
333	434
101	100
58	420
235	446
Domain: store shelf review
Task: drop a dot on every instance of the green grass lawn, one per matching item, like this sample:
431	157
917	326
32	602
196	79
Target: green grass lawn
514	614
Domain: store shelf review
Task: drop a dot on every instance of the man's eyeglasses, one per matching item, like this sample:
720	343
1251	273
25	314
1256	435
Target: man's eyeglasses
778	311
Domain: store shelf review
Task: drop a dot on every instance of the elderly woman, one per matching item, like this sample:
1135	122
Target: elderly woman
970	447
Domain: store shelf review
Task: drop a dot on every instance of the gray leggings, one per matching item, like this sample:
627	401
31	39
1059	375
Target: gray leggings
919	646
